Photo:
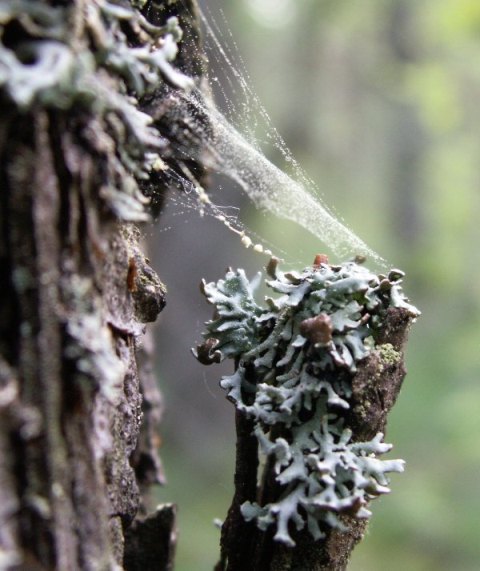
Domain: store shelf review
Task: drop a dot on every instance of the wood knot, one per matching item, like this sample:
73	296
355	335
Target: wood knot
147	291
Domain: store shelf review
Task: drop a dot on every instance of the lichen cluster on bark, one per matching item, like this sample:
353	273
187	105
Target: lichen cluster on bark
303	404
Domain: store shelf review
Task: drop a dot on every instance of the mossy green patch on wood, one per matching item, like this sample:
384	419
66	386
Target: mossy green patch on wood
388	354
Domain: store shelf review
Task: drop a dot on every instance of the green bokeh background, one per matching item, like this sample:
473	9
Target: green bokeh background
379	103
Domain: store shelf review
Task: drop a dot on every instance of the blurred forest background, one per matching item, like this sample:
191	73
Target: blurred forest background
379	103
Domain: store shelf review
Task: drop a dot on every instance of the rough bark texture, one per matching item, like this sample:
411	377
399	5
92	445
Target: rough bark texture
238	535
376	386
70	378
79	406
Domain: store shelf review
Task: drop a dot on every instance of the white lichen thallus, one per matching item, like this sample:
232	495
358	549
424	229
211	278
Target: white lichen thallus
296	359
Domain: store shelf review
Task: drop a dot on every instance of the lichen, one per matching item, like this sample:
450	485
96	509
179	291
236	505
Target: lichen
90	342
47	65
295	358
98	59
388	354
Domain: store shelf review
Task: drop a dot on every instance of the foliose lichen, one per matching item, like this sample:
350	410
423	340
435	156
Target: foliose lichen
295	358
98	58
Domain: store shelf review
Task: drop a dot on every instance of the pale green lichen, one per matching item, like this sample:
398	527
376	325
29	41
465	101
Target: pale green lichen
295	360
97	57
53	66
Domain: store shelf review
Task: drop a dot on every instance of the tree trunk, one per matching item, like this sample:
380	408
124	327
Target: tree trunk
79	407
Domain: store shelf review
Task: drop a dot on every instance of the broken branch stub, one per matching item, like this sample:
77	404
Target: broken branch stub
317	370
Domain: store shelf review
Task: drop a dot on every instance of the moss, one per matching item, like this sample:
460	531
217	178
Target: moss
361	411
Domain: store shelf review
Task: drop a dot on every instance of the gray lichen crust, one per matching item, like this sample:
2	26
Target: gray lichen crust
296	357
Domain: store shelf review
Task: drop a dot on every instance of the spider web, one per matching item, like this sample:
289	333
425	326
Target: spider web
234	149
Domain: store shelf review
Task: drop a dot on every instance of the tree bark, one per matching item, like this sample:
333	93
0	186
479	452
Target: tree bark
79	406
